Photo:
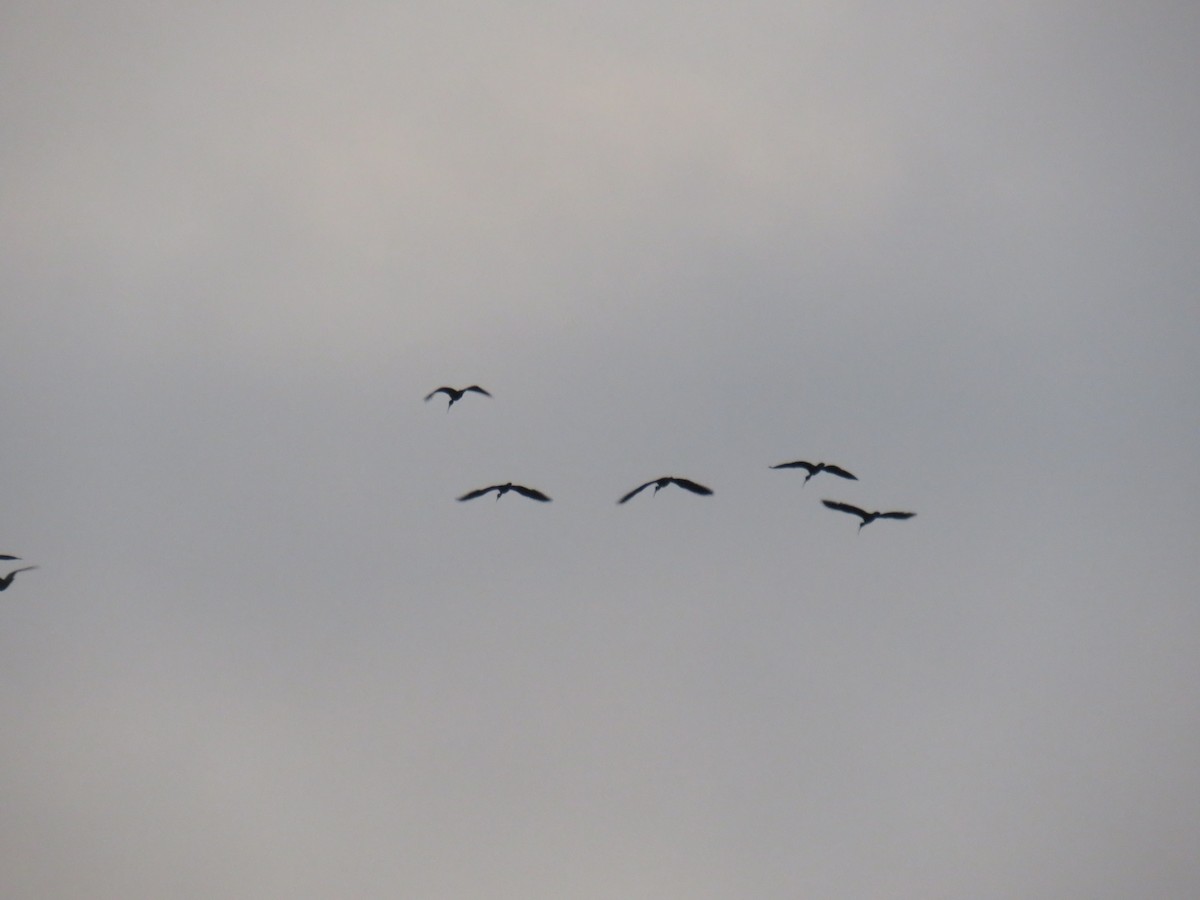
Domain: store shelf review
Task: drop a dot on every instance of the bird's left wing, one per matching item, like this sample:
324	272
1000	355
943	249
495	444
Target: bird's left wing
838	470
530	493
896	515
692	486
477	389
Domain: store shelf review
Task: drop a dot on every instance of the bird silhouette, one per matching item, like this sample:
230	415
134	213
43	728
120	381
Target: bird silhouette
502	489
455	394
6	556
867	517
8	579
660	483
814	468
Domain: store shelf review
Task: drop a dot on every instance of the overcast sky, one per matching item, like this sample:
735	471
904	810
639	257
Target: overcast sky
951	247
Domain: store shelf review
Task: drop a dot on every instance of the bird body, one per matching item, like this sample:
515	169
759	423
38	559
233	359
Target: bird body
8	579
660	483
867	517
502	489
814	468
455	394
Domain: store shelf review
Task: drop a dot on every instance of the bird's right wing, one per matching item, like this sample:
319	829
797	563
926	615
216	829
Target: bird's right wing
635	491
6	556
896	515
471	495
434	393
798	464
477	389
530	493
846	508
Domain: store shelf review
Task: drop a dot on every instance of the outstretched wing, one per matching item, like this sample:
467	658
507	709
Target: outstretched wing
896	515
8	579
530	493
471	495
798	464
847	508
840	472
449	392
635	491
477	389
692	486
6	556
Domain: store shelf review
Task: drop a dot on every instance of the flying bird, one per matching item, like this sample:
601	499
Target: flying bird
455	394
8	579
814	468
502	489
867	517
660	483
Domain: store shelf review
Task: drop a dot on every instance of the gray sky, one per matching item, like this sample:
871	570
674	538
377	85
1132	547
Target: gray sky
950	246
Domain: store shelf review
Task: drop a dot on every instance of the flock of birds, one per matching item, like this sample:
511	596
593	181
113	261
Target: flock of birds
456	394
6	580
866	516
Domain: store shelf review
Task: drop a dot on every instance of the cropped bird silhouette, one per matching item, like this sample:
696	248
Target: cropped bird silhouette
455	394
814	468
660	483
6	556
8	579
867	517
502	489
